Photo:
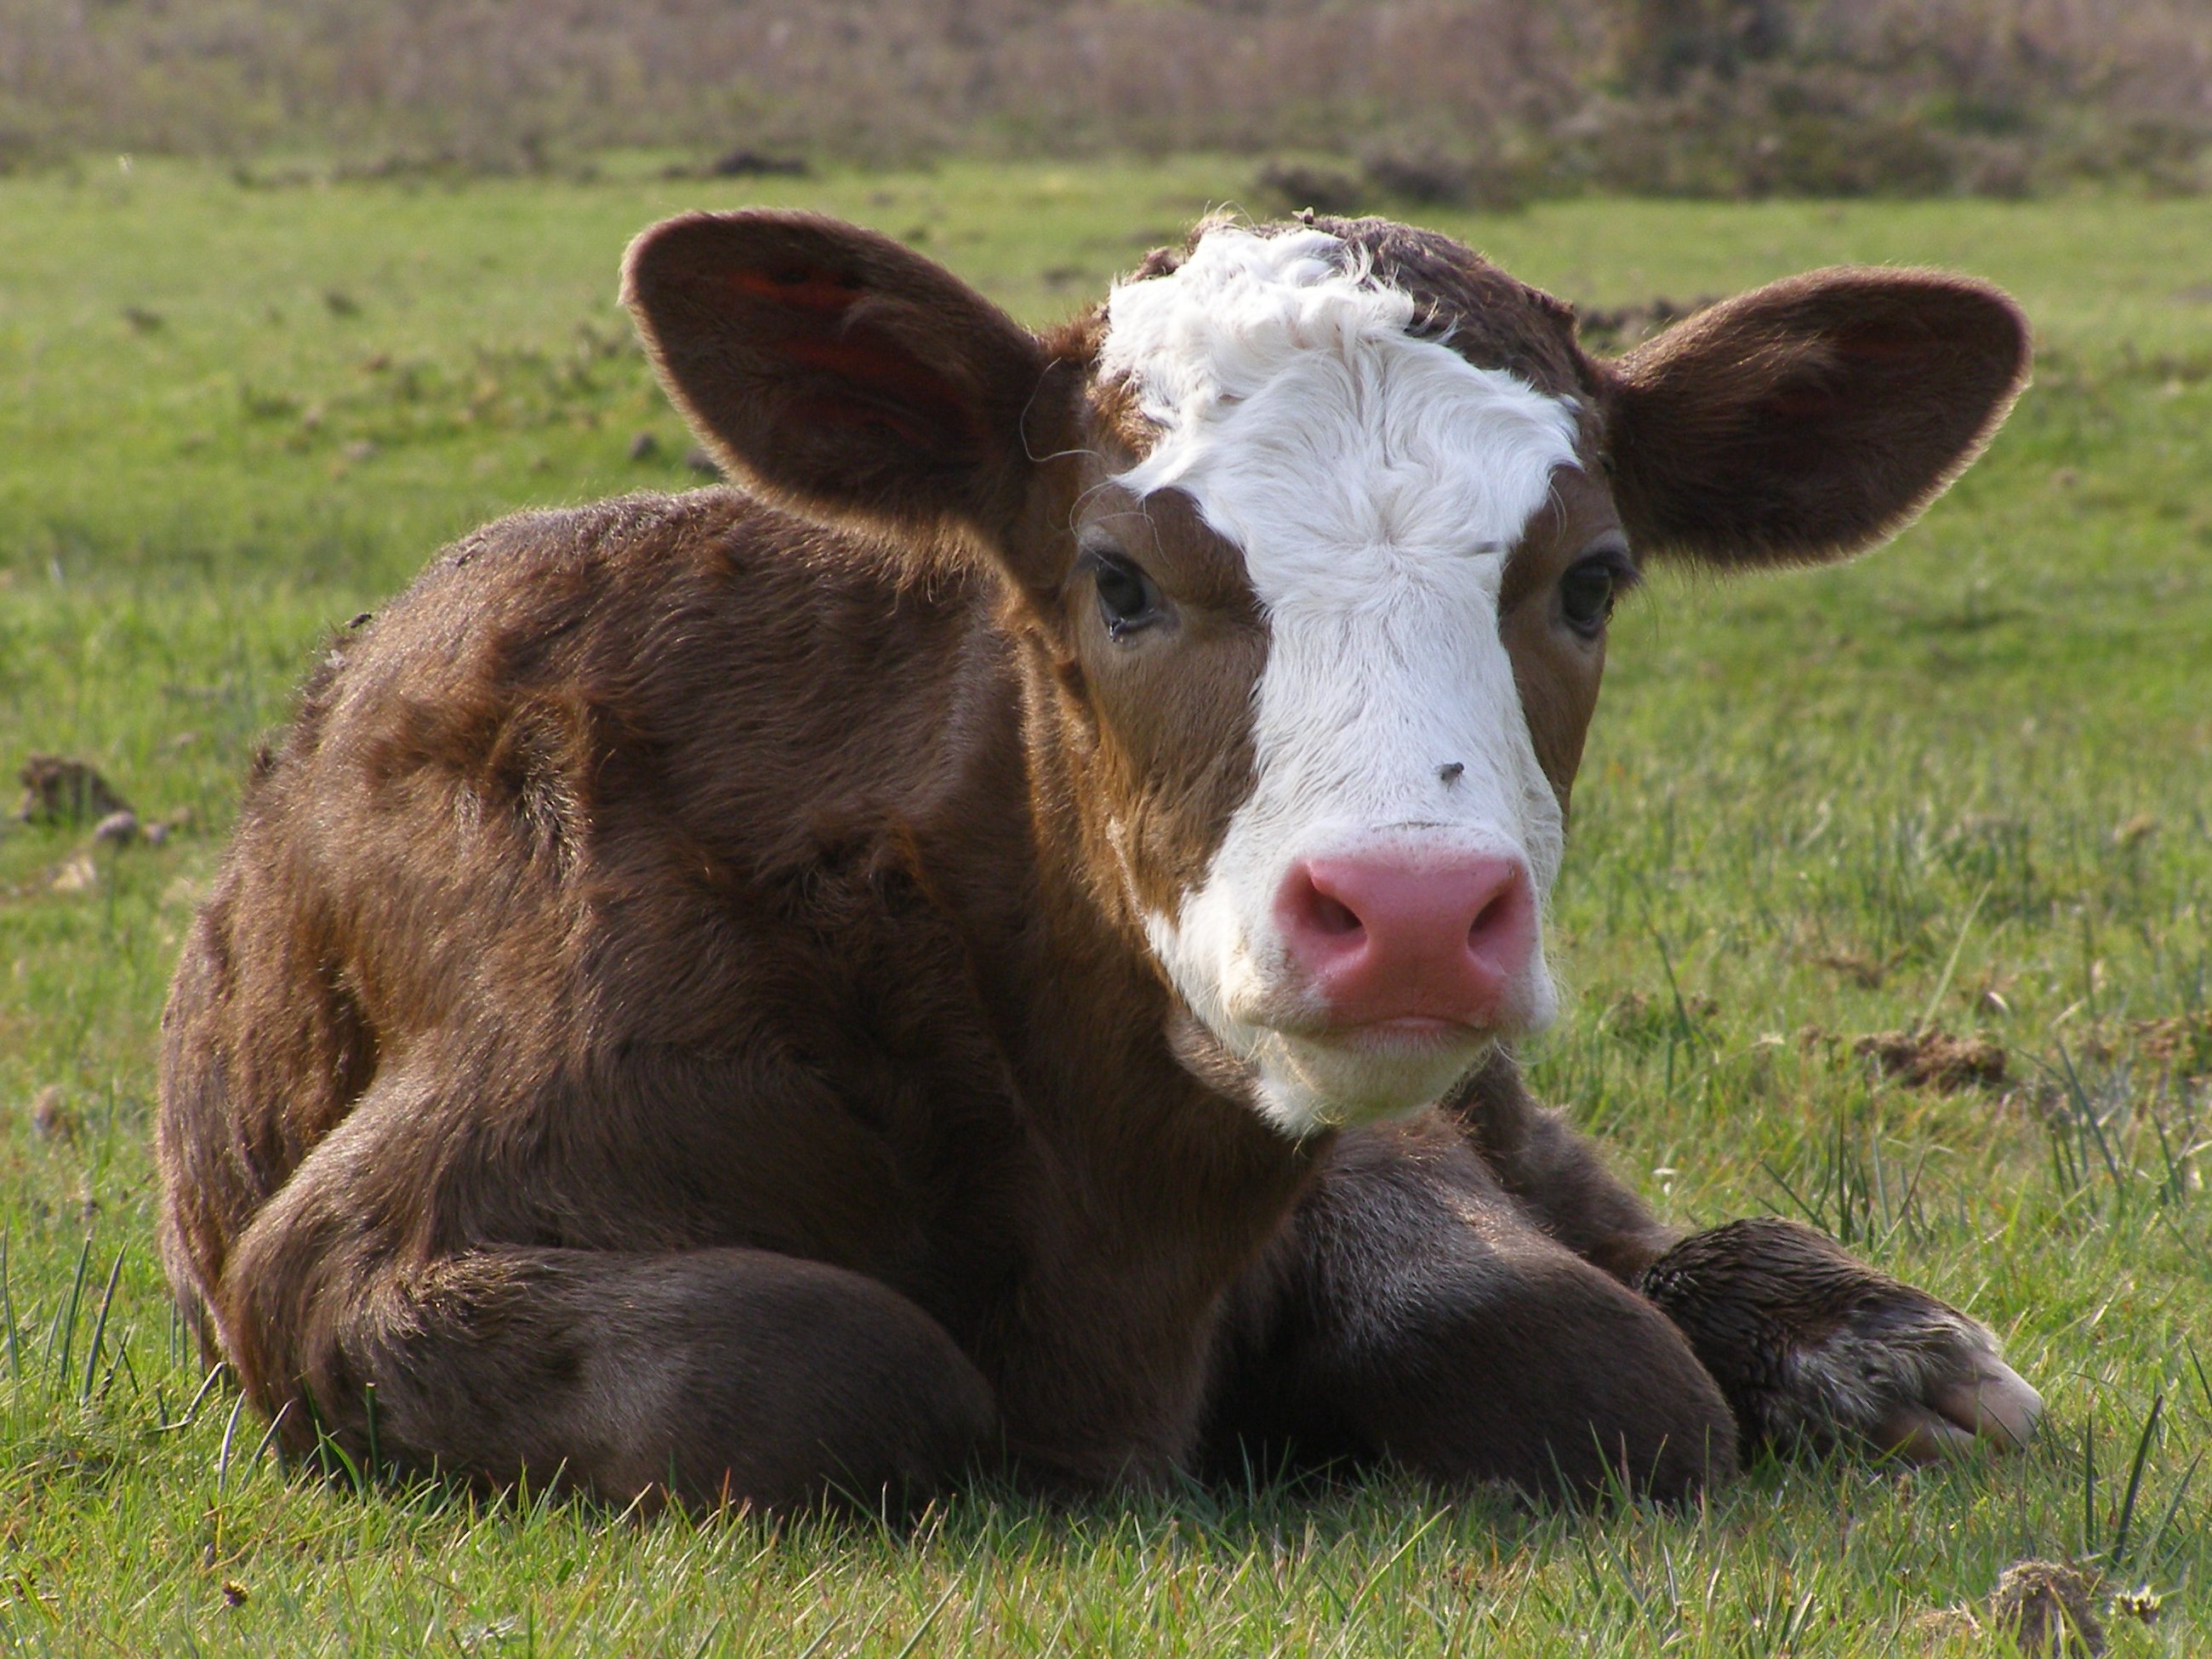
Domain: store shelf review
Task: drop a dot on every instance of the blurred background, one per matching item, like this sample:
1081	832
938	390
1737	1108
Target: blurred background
1481	103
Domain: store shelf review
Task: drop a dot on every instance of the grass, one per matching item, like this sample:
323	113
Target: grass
1964	783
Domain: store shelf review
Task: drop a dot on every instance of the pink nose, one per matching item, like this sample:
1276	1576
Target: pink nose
1391	939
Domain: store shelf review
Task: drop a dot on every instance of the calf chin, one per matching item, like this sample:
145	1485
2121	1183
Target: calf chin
1303	1085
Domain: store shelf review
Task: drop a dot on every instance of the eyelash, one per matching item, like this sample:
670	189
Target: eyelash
1621	578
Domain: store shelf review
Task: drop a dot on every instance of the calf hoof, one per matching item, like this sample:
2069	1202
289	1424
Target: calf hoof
1815	1349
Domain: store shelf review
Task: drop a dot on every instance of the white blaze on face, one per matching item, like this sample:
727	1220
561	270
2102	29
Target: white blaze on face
1376	484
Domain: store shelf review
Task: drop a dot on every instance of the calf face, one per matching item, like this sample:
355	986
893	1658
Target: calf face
1312	533
1369	914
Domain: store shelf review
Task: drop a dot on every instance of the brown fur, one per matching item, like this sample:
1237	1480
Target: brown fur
673	1016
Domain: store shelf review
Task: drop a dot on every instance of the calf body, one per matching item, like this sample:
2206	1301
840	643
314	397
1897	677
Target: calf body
1002	940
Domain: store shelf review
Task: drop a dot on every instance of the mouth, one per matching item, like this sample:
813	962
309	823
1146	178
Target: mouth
1308	1024
1407	1036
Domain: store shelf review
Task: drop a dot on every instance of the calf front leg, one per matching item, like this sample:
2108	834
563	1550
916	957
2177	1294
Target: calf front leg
1412	1311
1812	1346
1815	1348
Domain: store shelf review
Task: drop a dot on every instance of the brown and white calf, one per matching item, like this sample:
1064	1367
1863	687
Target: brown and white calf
1000	941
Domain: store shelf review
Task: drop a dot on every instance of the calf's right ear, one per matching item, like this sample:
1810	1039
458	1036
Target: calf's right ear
838	370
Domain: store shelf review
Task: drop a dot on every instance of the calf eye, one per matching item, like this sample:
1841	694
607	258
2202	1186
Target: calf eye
1127	598
1588	589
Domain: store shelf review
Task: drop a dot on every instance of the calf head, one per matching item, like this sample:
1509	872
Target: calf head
1316	529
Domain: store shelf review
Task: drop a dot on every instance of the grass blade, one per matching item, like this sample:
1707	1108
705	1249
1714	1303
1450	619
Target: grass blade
2150	1550
2091	1126
2089	1484
8	1312
223	1457
1950	967
269	1435
99	1330
927	1619
2119	1551
199	1398
64	1329
368	1405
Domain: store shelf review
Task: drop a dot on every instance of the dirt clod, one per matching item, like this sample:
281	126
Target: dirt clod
2044	1606
745	163
1934	1059
116	829
2136	831
1617	328
1940	1627
1864	971
1292	185
51	1117
2180	1042
79	875
59	790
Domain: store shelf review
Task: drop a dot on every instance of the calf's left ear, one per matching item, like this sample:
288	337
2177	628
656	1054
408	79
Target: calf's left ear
1803	421
837	369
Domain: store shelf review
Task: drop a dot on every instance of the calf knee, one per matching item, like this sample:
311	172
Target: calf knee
714	1377
1470	1348
813	1386
1563	1382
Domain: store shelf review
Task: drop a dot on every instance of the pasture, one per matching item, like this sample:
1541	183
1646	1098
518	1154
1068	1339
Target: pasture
1963	784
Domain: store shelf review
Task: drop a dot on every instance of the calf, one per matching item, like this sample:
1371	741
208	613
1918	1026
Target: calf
1000	941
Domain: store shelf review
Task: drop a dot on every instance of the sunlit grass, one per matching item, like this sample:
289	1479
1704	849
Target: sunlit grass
1963	784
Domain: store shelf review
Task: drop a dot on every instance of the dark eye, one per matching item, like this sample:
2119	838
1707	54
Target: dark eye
1588	589
1127	598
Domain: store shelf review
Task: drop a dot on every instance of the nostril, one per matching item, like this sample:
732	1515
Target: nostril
1317	904
1332	916
1492	916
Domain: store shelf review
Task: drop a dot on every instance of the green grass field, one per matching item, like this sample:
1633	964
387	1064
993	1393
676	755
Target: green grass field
1966	782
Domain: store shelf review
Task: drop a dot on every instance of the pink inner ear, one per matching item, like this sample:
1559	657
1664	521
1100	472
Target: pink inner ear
798	288
901	391
1869	346
1801	403
896	389
1880	344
